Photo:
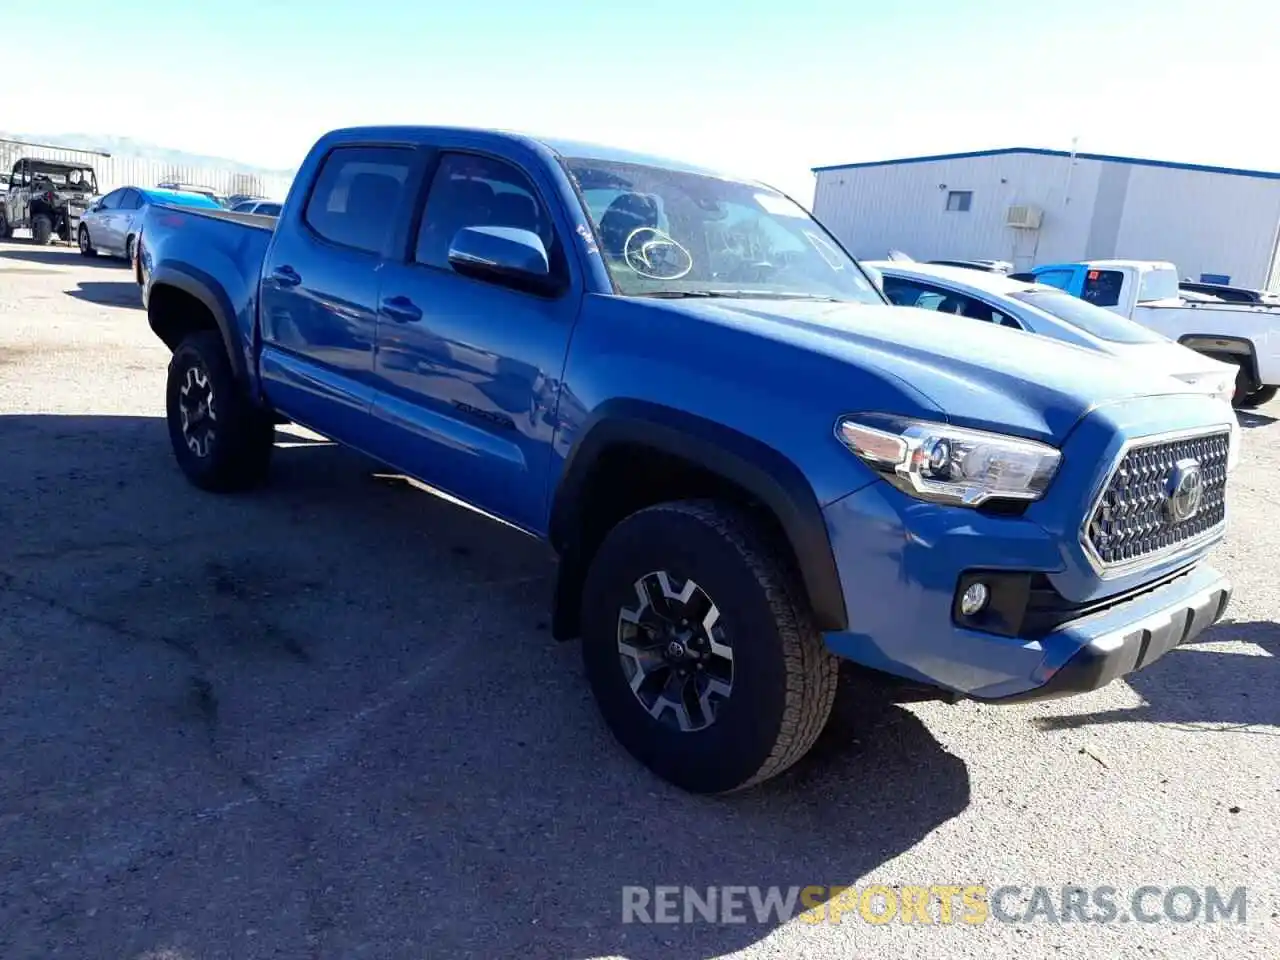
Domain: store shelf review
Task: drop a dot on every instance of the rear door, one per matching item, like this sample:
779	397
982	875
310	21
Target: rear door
469	371
319	289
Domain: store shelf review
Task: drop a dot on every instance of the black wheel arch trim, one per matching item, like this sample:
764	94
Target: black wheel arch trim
764	473
205	289
1213	343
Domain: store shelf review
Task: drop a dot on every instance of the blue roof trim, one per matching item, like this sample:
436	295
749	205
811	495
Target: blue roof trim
1040	151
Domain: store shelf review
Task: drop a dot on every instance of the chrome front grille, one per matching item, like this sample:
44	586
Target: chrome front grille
1137	519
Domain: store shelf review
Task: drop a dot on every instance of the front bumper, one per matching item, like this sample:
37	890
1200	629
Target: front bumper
901	560
1116	645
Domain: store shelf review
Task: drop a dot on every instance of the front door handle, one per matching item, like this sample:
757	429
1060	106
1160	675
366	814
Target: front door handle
286	276
401	309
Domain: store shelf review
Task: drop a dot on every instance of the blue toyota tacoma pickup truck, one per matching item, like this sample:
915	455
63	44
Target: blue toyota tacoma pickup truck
749	463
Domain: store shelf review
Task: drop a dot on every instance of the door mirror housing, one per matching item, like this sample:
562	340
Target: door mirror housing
508	256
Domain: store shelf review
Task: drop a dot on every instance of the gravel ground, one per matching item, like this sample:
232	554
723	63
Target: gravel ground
327	720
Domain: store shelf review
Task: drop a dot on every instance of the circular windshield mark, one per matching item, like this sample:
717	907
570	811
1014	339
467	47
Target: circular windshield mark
655	255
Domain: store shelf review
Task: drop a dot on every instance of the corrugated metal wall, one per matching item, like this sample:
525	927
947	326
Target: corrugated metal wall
1201	221
904	206
126	171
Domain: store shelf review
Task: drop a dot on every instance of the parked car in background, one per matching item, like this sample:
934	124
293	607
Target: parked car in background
749	463
267	208
47	197
194	188
1246	335
1050	312
111	225
1231	294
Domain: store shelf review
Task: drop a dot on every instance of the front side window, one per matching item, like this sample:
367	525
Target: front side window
666	232
356	195
112	200
905	293
474	191
1102	287
958	201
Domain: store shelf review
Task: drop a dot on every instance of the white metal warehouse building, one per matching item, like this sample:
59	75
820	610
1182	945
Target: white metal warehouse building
1032	206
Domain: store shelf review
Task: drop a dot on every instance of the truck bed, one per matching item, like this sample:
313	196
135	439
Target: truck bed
214	256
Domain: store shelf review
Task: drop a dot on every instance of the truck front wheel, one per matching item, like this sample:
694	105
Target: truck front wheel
221	440
700	650
42	229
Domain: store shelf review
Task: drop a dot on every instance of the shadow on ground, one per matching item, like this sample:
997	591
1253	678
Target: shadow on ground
1204	684
109	293
369	743
1251	420
64	255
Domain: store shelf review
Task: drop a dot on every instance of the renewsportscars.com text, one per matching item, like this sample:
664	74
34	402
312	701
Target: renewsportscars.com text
943	904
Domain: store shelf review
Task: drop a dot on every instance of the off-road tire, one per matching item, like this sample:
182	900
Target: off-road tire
238	454
1258	398
784	680
85	242
42	229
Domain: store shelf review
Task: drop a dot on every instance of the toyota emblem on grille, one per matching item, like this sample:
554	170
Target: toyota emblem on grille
1186	490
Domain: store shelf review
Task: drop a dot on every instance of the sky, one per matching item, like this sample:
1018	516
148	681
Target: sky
760	89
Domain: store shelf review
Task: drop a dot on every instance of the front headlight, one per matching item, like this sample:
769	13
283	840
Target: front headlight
946	464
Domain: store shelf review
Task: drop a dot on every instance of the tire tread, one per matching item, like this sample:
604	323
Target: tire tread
811	672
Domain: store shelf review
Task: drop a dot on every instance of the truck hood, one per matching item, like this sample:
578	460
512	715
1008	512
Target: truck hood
970	373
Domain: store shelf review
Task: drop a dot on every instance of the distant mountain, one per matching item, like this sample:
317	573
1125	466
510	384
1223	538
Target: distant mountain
128	147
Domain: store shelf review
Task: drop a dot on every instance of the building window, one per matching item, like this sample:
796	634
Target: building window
959	200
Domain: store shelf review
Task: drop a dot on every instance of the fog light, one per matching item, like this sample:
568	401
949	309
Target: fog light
974	599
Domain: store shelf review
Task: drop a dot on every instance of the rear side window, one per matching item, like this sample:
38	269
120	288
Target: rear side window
1102	287
475	191
356	195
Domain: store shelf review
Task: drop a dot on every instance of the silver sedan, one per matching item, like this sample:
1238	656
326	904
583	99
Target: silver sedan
111	225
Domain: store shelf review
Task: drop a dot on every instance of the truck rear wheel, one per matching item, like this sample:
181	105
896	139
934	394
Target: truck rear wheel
42	229
700	650
221	440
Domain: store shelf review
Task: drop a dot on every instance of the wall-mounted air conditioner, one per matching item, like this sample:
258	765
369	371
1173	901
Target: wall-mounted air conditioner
1023	217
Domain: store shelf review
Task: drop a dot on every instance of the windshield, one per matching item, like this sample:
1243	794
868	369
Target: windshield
1158	283
669	233
68	178
1103	324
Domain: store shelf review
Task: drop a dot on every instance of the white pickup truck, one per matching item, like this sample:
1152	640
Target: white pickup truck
1147	291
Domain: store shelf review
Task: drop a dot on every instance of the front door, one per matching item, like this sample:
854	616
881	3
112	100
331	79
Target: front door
101	223
469	371
319	291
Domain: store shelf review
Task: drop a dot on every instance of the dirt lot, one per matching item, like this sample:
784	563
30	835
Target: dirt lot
327	720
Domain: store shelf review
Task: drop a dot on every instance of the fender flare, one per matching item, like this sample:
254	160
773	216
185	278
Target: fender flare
765	474
205	290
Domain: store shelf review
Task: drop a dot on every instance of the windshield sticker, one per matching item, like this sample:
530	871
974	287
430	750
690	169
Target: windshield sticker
653	254
825	250
588	238
780	206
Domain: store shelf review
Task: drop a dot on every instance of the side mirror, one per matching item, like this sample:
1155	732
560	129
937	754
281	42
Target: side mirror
504	255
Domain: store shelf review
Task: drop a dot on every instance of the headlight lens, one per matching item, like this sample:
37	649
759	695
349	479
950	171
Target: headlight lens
946	464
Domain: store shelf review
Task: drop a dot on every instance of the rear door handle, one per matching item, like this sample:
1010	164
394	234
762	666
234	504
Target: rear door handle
286	276
401	310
